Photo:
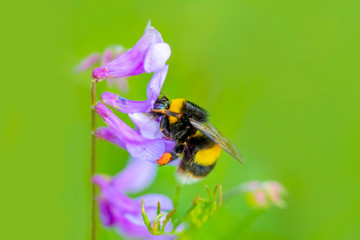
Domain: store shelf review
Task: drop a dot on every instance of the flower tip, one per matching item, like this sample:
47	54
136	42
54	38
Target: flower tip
100	73
102	110
148	24
106	96
101	180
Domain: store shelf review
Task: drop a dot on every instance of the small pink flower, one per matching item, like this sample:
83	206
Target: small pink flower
263	194
109	54
274	192
88	62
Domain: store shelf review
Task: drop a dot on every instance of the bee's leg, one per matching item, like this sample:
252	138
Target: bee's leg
179	148
164	127
171	156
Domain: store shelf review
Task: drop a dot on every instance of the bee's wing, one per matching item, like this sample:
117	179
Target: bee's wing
214	134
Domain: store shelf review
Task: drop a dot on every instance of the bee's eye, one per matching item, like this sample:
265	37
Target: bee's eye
159	106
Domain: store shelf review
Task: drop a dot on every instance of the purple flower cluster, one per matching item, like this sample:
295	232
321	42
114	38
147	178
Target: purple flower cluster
149	54
145	144
124	213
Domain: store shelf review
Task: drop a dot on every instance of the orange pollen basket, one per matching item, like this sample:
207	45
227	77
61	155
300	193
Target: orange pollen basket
165	158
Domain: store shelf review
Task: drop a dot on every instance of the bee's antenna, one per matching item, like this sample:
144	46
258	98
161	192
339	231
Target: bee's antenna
163	94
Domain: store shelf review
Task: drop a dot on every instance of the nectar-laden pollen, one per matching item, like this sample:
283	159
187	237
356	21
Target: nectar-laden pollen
165	158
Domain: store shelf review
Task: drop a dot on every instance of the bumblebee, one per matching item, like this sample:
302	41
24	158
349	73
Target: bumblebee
196	139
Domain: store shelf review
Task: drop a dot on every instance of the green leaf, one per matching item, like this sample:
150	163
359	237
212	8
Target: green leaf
209	192
215	191
158	209
145	217
156	226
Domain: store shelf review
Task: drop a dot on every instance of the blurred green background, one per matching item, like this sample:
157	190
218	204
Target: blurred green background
279	78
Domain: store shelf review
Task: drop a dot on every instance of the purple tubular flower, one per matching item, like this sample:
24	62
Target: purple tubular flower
129	106
147	135
124	136
124	213
137	176
88	62
109	135
149	54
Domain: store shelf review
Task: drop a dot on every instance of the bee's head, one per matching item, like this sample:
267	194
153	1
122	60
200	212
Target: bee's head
162	103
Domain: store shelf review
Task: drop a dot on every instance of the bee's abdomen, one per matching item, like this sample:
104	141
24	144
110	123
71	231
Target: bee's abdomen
207	156
188	173
199	159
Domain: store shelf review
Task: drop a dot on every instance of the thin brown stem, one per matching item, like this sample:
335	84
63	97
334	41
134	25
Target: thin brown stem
93	159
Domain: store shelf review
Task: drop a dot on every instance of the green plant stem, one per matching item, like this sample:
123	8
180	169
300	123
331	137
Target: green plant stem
93	160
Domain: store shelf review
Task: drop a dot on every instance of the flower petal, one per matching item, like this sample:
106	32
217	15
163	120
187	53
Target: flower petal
147	126
106	216
156	57
124	105
153	89
137	146
136	176
109	135
137	218
151	201
114	197
169	145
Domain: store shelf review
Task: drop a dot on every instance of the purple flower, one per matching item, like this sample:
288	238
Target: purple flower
137	176
146	142
149	54
121	134
124	213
